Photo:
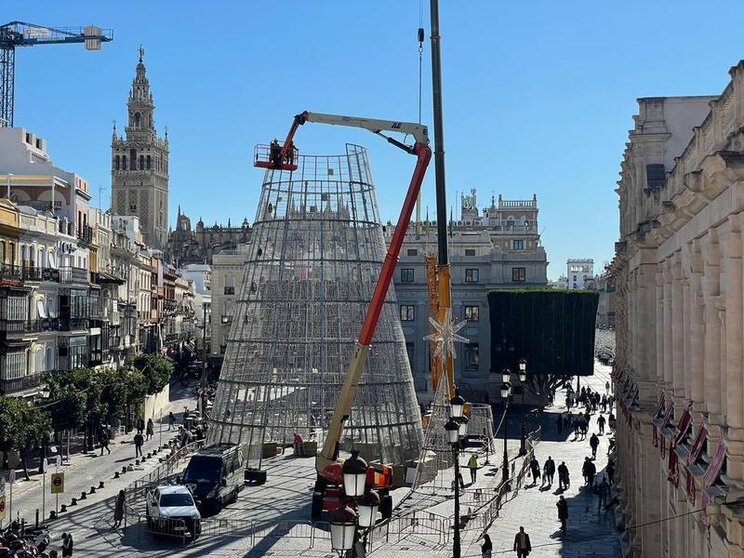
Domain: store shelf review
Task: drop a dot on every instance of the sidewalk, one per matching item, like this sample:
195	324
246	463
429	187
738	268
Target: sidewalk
84	470
588	533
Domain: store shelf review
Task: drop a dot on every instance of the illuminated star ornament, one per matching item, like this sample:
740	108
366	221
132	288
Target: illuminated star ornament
445	334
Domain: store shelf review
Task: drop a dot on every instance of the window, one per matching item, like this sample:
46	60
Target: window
132	159
655	176
118	162
472	313
471	275
229	290
469	252
412	252
149	162
519	244
406	275
519	274
472	356
142	162
407	312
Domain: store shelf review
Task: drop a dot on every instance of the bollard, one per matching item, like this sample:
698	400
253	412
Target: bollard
100	485
116	475
137	462
124	469
52	515
92	490
149	455
62	508
74	502
83	496
37	518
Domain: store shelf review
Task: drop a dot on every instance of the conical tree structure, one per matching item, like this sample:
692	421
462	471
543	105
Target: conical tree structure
315	255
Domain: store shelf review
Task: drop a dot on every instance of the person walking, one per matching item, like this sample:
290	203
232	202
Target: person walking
535	468
601	421
594	443
522	545
140	425
588	470
473	466
105	440
602	490
150	430
607	387
563	480
611	471
138	441
119	509
171	421
486	547
562	506
67	544
549	470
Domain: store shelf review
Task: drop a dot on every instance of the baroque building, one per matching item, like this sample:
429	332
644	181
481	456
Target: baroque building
679	364
187	246
139	165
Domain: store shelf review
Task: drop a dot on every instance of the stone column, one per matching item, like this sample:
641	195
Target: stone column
677	327
696	330
659	307
668	354
711	362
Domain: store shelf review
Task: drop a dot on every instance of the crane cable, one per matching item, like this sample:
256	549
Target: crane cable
420	36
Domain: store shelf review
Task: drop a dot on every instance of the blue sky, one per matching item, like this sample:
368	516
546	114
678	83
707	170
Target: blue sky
538	96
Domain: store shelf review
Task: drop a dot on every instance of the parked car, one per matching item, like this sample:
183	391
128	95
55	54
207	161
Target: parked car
216	474
171	510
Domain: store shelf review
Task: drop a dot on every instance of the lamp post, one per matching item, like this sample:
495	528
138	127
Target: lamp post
506	395
203	383
10	177
523	381
456	427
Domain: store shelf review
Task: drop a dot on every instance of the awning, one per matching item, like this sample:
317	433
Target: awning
683	427
667	416
697	445
711	476
659	408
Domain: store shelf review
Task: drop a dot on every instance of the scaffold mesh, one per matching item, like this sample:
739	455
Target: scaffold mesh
314	258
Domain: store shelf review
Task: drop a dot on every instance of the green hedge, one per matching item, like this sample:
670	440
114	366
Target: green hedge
552	329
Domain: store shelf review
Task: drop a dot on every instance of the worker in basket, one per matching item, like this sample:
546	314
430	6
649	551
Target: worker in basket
275	153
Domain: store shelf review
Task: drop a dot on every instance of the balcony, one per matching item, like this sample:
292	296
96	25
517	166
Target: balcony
16	385
85	236
73	324
43	324
11	272
77	275
40	274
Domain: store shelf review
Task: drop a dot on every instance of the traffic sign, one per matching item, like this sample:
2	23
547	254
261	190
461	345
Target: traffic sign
58	483
2	507
12	476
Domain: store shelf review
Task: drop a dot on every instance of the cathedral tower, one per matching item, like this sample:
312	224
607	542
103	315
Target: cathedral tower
139	165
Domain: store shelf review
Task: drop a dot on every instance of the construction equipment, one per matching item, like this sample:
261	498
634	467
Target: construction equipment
281	157
20	34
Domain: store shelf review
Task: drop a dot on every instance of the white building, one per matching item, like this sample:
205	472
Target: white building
579	271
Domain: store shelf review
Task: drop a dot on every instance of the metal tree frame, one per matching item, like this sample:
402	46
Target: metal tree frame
314	258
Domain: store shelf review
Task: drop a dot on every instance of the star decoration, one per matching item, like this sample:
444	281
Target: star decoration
445	334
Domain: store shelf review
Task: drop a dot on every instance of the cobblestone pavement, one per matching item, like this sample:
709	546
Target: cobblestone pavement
589	533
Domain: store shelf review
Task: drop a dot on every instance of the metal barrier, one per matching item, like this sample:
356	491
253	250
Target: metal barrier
417	523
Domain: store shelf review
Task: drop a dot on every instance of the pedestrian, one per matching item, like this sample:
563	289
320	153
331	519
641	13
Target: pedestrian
486	547
563	479
119	509
140	425
105	440
535	468
594	443
601	423
298	445
275	152
67	544
550	470
171	420
611	471
607	387
588	470
522	544
612	422
138	441
603	402
602	490
473	466
562	506
150	429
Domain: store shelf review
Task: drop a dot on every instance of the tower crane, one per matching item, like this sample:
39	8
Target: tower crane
20	34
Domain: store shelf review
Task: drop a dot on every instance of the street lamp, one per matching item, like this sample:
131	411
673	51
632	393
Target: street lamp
506	396
456	427
354	471
523	380
343	529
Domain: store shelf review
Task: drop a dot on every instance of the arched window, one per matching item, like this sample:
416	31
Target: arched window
149	162
42	257
137	119
2	252
49	358
133	159
124	162
142	162
117	162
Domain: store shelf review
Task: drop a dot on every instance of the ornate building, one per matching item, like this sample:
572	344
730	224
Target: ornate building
186	246
139	165
679	373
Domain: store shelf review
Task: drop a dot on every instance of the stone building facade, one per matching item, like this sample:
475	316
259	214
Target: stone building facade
139	165
679	366
200	245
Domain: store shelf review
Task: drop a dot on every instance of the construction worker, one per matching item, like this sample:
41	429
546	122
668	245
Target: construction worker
275	153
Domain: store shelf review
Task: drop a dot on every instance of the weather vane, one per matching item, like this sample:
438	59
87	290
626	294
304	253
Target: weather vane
141	52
